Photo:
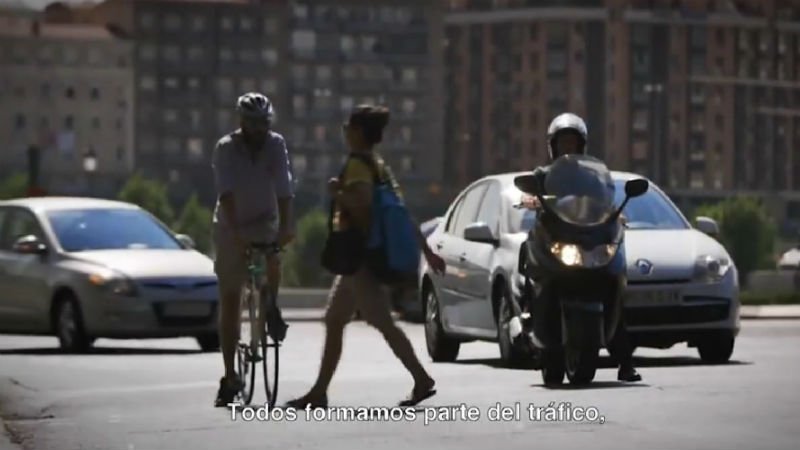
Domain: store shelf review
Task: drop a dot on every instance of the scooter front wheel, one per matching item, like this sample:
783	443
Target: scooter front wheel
581	364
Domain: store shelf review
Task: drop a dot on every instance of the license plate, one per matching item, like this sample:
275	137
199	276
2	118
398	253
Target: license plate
186	309
653	298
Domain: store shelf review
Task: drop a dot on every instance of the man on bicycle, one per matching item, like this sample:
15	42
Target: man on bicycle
254	205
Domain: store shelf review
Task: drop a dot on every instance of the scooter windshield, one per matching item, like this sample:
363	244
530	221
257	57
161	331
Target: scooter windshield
580	190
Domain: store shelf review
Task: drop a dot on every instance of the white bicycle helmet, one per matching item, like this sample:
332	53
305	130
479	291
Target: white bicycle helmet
255	106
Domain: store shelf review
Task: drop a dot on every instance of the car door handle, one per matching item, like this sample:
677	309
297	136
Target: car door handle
463	257
439	246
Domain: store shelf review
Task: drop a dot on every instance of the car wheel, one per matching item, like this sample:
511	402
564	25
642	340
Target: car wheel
441	347
511	353
716	349
69	326
208	342
552	362
581	364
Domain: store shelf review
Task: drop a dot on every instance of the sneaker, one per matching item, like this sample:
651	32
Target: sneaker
276	326
227	392
628	374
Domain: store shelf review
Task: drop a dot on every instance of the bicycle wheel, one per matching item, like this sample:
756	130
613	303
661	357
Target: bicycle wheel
270	363
246	358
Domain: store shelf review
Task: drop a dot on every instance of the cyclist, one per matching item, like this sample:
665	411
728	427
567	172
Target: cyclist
254	205
567	134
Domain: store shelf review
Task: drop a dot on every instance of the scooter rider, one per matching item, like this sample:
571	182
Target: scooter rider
567	134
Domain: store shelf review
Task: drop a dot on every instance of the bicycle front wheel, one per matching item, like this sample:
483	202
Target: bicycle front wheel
246	357
270	349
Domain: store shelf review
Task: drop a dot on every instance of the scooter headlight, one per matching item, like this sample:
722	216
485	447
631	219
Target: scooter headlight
573	255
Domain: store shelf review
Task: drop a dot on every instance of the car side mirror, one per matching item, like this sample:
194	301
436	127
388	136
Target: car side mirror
479	232
528	184
29	245
636	188
186	240
707	225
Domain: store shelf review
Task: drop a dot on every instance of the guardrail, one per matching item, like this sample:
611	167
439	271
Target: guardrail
773	282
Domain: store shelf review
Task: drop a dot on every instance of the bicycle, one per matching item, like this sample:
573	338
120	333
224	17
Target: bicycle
255	343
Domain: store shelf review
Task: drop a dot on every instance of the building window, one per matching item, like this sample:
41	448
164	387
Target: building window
225	55
226	23
224	119
195	119
300	11
69	122
171	145
195	148
172	22
409	76
195	54
171	53
324	73
118	124
298	134
268	86
299	105
405	134
304	42
224	88
247	84
320	133
407	164
696	180
45	90
299	72
409	106
269	56
147	52
170	116
171	83
147	21
299	163
120	153
96	123
70	92
19	122
719	122
248	56
246	24
640	120
147	83
697	36
346	103
270	25
193	83
640	150
198	23
95	93
347	44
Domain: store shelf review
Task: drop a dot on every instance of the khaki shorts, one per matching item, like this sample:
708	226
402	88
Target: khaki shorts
363	292
230	264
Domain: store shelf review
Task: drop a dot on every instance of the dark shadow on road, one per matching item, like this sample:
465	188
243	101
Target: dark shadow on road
495	363
605	362
593	385
99	351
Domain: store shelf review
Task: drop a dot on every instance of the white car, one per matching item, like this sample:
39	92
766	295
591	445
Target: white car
682	284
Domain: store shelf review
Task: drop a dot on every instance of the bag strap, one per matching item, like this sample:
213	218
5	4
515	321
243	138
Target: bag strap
370	162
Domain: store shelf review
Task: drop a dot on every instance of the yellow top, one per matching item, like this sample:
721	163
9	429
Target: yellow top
358	171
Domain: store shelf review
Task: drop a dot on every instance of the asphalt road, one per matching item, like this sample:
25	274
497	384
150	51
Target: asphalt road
152	395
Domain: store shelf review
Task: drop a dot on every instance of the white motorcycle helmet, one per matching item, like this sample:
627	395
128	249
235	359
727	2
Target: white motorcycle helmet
566	123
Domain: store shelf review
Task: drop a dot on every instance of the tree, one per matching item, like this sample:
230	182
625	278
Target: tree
195	221
746	231
149	195
302	262
14	186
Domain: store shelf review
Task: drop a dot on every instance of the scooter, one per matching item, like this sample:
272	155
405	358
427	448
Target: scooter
573	266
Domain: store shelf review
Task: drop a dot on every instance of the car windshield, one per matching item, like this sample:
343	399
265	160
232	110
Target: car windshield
650	211
80	230
580	190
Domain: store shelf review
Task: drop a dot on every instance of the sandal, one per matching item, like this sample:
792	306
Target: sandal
306	401
417	396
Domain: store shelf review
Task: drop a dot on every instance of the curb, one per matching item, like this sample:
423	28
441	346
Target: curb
774	312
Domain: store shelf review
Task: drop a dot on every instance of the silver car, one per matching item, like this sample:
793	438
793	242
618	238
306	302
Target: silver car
82	269
682	284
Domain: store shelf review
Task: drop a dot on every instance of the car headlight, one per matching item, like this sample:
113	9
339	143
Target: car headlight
573	255
115	283
711	269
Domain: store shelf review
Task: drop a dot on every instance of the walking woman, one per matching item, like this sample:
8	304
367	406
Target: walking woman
352	196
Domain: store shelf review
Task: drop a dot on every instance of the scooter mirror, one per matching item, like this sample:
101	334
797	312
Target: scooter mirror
637	187
527	184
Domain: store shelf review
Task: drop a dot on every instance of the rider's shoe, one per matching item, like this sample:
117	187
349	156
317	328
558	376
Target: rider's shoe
628	373
227	392
276	326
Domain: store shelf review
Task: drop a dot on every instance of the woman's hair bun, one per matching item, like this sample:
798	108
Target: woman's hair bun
372	119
